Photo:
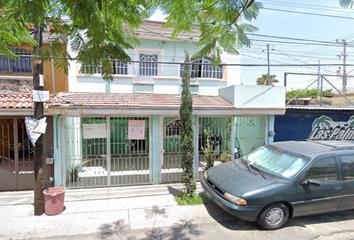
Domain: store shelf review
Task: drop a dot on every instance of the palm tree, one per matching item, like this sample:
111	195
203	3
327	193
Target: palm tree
346	3
264	80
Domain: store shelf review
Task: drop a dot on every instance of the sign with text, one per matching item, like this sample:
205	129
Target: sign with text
94	130
324	128
40	96
136	129
35	128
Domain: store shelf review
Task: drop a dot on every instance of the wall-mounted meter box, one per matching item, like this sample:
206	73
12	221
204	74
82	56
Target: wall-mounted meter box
49	160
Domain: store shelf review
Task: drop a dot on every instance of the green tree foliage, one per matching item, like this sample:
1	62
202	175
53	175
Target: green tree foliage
102	30
187	132
264	80
12	32
307	93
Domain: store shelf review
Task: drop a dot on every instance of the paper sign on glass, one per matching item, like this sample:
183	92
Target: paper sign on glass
136	129
94	130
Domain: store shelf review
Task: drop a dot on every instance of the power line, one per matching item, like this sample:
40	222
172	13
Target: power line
289	38
296	43
307	6
207	64
306	13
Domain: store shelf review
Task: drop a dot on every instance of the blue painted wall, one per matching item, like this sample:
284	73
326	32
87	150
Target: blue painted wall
297	124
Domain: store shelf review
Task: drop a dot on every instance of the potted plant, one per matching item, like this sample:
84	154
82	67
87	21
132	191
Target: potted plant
73	173
75	169
209	153
225	157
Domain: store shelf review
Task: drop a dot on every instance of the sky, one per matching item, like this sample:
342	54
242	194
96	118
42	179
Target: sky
298	33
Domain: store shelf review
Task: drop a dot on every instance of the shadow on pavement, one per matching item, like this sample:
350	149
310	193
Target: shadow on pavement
150	213
182	230
173	191
110	229
232	223
322	218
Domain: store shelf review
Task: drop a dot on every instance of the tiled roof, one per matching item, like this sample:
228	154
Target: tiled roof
116	100
17	100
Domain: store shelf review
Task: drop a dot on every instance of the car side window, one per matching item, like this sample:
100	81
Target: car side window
323	170
348	167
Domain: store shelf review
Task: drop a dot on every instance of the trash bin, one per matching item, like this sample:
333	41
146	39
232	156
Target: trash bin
54	200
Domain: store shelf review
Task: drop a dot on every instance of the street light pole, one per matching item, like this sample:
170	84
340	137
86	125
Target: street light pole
344	66
268	80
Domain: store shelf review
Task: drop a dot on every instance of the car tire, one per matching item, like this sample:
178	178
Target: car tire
273	216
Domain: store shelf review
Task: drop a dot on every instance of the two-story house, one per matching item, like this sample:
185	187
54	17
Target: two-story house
16	103
126	131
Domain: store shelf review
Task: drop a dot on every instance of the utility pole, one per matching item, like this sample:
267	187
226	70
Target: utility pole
268	81
319	77
344	66
38	114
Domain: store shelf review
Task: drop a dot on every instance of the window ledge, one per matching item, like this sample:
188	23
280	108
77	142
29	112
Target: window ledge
142	83
209	79
167	78
17	77
191	84
100	76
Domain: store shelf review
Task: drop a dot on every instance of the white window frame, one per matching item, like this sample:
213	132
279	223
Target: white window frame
174	135
98	70
22	61
201	77
160	54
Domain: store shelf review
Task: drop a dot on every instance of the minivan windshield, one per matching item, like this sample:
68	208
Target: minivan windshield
275	161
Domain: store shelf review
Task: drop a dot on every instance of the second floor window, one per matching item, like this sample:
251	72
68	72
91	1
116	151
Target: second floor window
148	64
202	68
21	65
119	68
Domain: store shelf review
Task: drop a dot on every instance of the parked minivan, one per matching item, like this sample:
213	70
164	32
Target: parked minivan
283	180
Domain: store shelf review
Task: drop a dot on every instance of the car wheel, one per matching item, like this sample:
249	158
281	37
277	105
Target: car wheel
273	216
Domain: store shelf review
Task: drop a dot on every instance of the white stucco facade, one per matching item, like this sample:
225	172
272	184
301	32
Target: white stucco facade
169	55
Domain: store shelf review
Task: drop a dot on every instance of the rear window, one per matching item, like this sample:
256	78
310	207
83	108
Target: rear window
276	161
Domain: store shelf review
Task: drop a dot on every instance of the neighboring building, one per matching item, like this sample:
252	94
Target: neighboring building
16	151
16	85
305	118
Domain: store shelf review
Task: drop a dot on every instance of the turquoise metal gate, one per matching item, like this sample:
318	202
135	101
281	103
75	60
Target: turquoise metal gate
99	152
171	167
250	133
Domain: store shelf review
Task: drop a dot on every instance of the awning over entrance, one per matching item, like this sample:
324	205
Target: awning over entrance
147	104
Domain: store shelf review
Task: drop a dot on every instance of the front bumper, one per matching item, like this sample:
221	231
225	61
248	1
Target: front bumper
246	213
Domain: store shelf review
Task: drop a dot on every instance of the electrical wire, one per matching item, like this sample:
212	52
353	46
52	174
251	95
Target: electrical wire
306	13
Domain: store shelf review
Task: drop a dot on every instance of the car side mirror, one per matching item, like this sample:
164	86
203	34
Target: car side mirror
310	182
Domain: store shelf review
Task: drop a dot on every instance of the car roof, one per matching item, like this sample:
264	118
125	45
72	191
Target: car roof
314	148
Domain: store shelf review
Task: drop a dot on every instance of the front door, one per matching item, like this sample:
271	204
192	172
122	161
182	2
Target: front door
171	169
16	155
323	198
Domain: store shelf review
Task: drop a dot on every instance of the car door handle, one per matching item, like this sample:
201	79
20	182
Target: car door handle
337	188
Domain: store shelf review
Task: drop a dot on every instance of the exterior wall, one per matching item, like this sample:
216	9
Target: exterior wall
297	124
168	79
254	96
60	77
232	74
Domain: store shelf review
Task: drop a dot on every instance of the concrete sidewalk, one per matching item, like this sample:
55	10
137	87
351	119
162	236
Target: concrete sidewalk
98	211
150	212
